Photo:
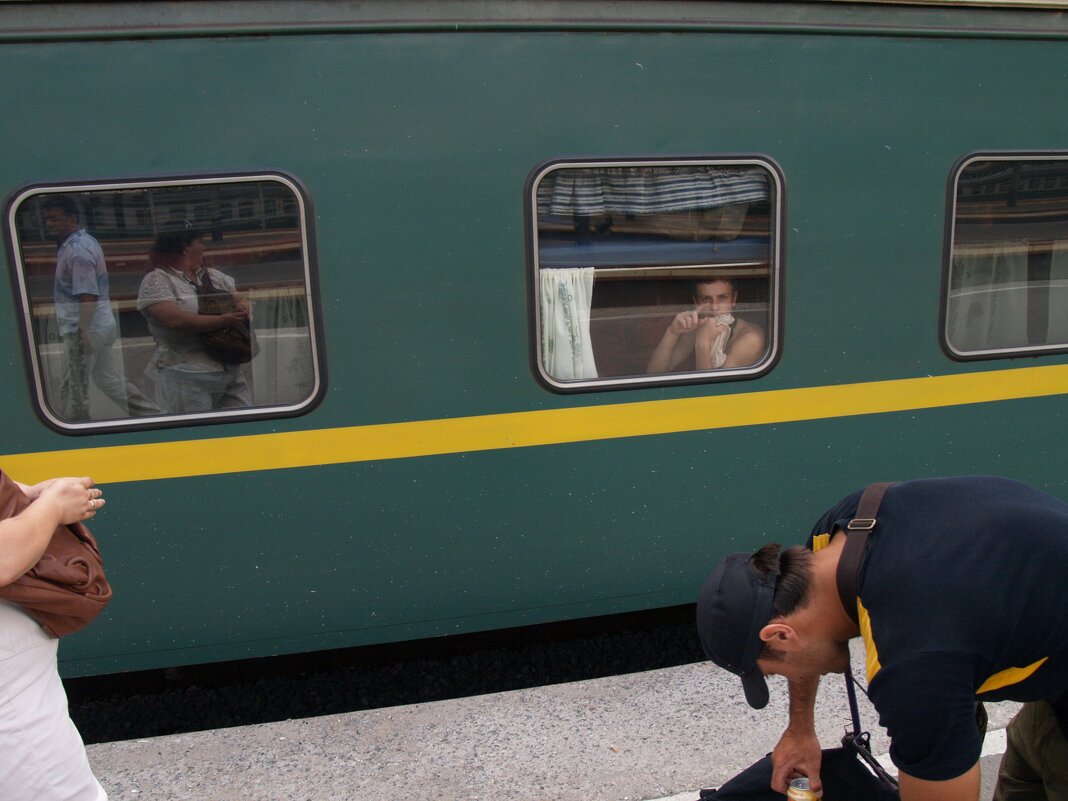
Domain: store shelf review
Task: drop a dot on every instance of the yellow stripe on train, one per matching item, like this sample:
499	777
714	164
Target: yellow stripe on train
200	457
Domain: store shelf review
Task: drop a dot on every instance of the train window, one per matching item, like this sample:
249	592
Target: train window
134	296
1005	288
653	272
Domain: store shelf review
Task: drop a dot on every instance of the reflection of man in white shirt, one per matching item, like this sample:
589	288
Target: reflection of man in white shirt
708	336
86	321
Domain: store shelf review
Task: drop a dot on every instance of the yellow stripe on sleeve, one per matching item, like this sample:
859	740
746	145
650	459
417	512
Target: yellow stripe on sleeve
1013	675
871	653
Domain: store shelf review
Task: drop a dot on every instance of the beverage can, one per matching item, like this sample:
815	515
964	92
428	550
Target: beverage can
798	791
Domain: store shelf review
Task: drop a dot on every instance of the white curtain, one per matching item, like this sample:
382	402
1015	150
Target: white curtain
281	372
988	299
566	297
1058	298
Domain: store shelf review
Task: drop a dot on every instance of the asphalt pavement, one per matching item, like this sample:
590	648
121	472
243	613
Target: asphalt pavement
654	735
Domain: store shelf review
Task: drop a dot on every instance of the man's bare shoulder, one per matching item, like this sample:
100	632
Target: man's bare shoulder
746	346
744	328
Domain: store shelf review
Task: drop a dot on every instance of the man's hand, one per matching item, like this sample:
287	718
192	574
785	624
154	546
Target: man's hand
686	321
797	754
708	330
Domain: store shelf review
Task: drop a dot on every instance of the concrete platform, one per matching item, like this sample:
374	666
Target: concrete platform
660	734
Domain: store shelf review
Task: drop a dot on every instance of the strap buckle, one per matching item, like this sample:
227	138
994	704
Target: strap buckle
861	524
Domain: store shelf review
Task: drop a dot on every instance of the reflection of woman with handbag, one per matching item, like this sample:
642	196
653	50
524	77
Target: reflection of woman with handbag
201	325
41	753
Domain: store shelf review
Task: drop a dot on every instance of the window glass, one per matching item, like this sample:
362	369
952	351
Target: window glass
648	272
1007	277
154	301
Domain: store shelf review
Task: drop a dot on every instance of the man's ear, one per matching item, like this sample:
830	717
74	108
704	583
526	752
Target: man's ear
780	636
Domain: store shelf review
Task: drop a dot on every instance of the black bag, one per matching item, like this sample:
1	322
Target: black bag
231	345
844	779
849	773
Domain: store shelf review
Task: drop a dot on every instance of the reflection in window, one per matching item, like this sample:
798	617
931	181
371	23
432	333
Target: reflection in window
117	283
1008	266
653	271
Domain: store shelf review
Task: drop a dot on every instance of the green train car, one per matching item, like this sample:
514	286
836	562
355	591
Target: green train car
553	303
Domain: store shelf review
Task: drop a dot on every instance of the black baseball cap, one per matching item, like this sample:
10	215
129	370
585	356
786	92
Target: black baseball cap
734	605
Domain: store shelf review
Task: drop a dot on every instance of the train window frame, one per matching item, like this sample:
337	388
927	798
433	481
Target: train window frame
306	275
775	273
1034	287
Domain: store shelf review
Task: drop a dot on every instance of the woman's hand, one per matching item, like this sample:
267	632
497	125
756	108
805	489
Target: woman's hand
235	319
24	537
33	492
242	304
74	499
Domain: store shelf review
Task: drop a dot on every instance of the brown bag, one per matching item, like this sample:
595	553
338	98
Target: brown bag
67	588
226	345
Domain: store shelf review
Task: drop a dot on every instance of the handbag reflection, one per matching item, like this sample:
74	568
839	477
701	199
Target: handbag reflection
225	345
67	588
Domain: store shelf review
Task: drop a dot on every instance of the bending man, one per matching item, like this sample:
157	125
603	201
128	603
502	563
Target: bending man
960	598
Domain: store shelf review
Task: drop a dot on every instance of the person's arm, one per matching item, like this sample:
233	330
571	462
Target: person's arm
660	361
85	287
241	303
168	314
86	307
668	352
798	750
24	537
963	788
33	491
707	333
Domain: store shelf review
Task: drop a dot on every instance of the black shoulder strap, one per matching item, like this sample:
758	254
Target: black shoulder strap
848	580
857	530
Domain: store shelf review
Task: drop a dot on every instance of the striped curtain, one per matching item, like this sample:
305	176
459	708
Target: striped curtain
648	190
